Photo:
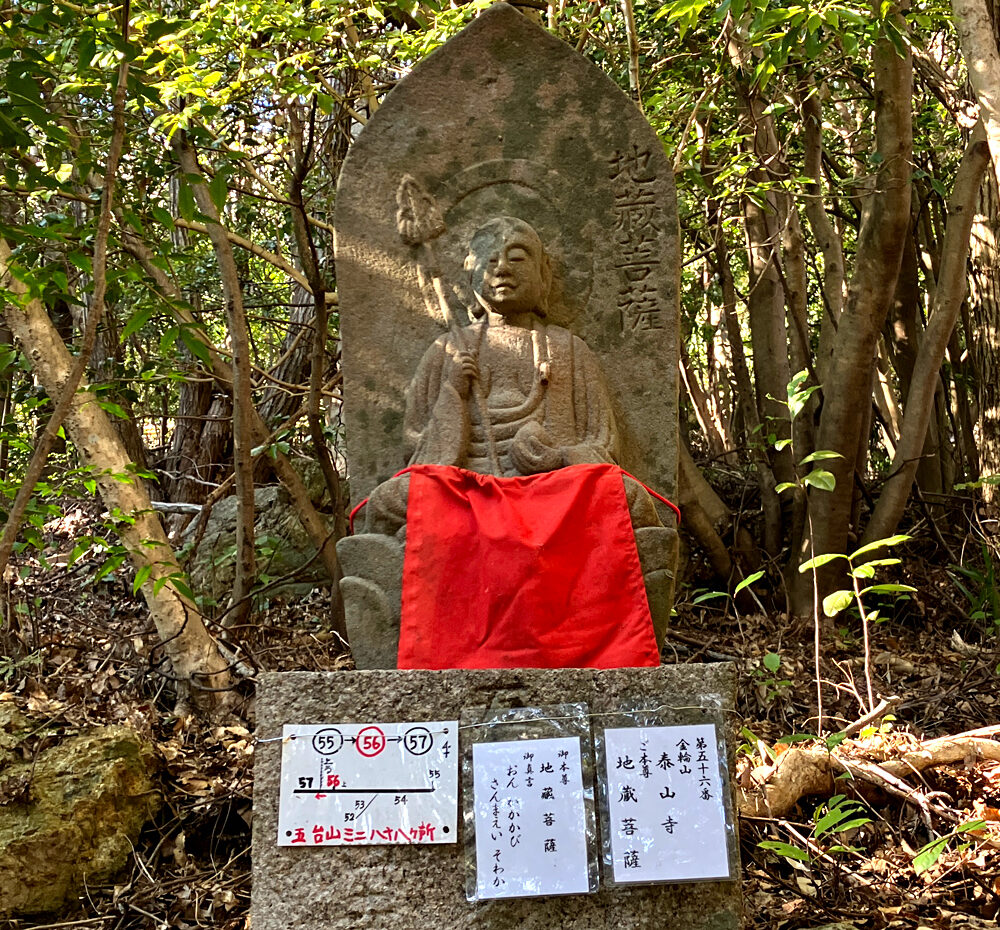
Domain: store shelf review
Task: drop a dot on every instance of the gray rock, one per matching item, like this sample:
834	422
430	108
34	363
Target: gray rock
282	543
410	887
71	817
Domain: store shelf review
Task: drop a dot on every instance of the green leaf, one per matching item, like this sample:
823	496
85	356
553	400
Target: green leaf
132	218
845	816
85	50
834	603
796	738
784	486
109	406
859	821
194	345
796	381
22	88
829	820
78	550
82	261
820	560
162	217
835	739
185	201
785	849
708	596
746	582
867	570
888	589
109	566
880	544
160	28
136	322
169	339
820	456
798	401
141	577
218	190
782	444
772	662
927	855
183	588
818	478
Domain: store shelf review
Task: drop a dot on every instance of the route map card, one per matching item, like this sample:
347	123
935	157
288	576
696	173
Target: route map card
667	818
531	830
350	784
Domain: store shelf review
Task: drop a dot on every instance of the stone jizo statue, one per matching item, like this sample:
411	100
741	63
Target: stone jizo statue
509	395
543	190
546	398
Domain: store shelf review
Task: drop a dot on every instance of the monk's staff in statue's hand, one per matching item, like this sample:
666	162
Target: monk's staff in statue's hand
419	222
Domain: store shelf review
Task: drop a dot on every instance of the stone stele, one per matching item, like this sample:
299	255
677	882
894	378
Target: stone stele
423	887
506	120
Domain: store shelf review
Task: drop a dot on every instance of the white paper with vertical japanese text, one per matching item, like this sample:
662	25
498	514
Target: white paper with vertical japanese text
667	817
530	819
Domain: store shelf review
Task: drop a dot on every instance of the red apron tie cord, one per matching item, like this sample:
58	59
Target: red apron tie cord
402	471
659	497
354	513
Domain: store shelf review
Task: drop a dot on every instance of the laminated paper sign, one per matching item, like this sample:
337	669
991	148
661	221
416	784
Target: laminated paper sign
368	783
667	817
530	819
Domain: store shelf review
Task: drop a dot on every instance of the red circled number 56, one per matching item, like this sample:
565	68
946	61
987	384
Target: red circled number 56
370	741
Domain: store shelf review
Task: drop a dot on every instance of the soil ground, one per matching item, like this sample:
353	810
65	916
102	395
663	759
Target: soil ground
76	652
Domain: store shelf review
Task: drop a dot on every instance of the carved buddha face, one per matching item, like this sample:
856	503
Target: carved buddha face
508	268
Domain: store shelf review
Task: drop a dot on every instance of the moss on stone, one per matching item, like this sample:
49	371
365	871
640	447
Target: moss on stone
89	797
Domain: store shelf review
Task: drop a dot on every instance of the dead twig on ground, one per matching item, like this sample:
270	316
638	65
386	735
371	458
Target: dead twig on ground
809	770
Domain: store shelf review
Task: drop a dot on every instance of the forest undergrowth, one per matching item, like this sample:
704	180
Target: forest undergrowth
83	653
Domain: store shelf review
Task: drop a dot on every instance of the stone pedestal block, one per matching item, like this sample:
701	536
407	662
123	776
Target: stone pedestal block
422	887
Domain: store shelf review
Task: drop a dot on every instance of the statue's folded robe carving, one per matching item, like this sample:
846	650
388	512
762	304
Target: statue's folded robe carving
540	562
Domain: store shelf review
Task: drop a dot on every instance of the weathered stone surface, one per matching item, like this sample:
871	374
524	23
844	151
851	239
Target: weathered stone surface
283	547
513	144
71	816
419	887
373	587
508	120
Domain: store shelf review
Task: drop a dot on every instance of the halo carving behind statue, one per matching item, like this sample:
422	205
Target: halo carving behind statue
538	195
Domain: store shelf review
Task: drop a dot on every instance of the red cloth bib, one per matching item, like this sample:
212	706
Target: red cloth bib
524	572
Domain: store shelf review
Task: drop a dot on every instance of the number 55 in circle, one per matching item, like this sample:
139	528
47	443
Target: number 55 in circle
370	741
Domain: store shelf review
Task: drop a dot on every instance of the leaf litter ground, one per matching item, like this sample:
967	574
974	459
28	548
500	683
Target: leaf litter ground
79	654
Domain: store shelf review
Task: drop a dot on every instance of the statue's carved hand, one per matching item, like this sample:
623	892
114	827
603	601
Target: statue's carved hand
464	369
533	451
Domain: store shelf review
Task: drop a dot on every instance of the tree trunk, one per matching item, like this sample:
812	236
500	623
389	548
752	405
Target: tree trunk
311	520
978	25
824	232
239	336
873	283
770	504
192	651
766	307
